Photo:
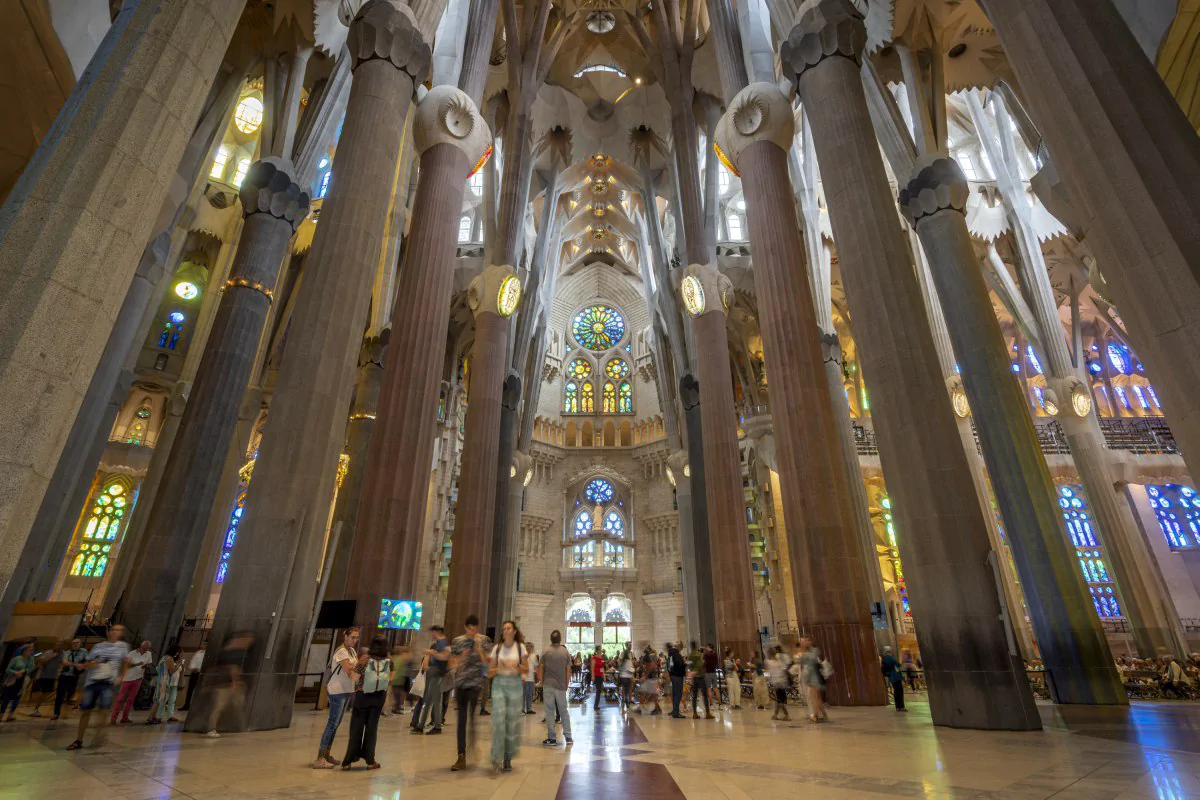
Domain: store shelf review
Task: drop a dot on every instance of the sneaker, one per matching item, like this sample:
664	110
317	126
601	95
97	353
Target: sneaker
568	740
75	745
321	763
433	731
550	743
460	764
417	732
678	716
507	765
212	735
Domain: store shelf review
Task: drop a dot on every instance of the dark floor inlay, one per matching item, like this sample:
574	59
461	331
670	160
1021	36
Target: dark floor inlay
606	733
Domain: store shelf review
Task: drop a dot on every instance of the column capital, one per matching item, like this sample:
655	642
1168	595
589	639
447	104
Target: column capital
387	30
704	290
496	290
448	115
937	184
823	29
679	472
958	396
521	471
759	112
268	188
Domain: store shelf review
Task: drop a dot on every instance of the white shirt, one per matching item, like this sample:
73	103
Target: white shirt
531	672
341	682
137	660
197	661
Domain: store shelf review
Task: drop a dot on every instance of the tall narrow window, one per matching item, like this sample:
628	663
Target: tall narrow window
108	512
136	433
1089	552
614	525
231	531
610	398
220	164
323	189
1178	511
583	523
464	229
242	168
587	401
625	398
734	223
571	398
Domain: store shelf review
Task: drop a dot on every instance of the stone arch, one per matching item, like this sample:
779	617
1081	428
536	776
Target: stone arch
610	434
626	439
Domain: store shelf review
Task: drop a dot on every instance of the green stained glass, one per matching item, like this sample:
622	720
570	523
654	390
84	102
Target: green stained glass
598	328
617	369
579	369
625	403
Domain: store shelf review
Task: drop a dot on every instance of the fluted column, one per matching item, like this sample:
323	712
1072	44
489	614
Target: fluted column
385	560
493	297
984	685
1072	642
706	295
360	428
697	594
515	482
697	536
1083	77
503	537
826	553
274	206
75	223
272	584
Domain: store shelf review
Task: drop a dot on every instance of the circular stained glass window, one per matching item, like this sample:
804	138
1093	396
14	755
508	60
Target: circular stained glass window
598	327
249	115
579	368
617	369
598	491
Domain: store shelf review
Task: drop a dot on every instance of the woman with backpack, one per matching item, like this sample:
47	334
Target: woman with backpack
369	697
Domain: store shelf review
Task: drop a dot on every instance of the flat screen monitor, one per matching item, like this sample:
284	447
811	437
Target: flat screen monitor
400	615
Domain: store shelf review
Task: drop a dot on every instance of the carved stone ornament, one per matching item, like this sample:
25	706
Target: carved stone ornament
937	184
760	112
268	188
447	115
958	397
492	291
824	29
677	468
1075	393
386	30
703	290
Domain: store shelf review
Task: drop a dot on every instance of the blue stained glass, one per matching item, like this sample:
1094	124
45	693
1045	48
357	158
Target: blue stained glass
1119	358
1033	359
598	328
1120	392
598	491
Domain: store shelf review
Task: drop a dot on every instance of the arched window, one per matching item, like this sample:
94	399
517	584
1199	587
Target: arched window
587	400
1119	358
168	337
108	512
598	491
614	525
734	223
1088	551
136	433
625	398
323	189
240	175
1178	510
464	229
220	164
571	398
583	524
581	621
617	624
610	398
475	182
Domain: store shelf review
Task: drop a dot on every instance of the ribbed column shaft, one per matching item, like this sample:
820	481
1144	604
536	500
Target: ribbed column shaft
386	556
694	529
729	538
826	555
503	536
166	561
477	49
1072	643
473	520
74	224
1085	79
272	584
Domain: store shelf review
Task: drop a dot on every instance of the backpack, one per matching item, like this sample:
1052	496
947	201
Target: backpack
376	676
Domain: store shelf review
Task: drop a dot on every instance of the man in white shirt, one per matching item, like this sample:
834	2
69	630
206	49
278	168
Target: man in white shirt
340	690
103	668
194	667
529	679
131	682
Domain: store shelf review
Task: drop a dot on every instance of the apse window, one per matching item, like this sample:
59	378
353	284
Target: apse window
249	115
220	164
242	168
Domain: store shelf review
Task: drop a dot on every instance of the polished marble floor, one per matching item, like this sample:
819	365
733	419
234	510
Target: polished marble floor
1147	751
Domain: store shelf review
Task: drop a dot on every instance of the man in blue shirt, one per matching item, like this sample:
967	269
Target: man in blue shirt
105	665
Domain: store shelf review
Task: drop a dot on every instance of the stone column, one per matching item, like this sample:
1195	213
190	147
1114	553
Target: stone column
510	400
274	206
522	465
706	295
1073	645
696	595
272	584
451	138
359	429
493	297
701	589
946	554
1084	78
74	224
826	553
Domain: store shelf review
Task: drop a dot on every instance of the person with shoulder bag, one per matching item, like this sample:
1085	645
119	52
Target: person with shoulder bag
894	675
370	693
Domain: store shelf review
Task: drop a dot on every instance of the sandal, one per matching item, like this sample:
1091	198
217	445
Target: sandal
76	745
321	763
374	765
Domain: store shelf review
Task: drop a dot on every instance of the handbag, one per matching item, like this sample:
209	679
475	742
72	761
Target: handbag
418	684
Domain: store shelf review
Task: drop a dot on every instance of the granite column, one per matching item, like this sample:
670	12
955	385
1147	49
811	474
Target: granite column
981	684
272	585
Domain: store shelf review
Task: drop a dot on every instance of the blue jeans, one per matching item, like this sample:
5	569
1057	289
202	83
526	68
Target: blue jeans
527	686
555	702
337	707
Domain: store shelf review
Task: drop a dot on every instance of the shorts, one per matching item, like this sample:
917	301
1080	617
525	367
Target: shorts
96	694
44	685
711	681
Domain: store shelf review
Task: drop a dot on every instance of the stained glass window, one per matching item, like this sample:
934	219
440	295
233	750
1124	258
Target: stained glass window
614	525
1119	358
108	512
464	229
598	491
598	328
1033	359
231	532
137	429
1088	551
249	115
625	398
1141	396
219	164
583	523
1178	511
610	398
1119	391
617	369
571	398
614	555
587	401
579	369
168	338
581	556
323	189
